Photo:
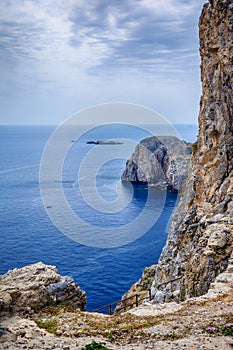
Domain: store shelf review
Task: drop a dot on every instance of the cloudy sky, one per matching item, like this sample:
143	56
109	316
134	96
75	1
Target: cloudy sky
59	57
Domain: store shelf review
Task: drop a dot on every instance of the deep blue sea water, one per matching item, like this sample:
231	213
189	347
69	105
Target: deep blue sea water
28	235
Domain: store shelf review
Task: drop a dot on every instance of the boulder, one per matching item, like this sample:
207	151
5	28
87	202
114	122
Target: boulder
28	289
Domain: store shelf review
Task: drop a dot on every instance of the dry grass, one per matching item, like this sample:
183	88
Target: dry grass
127	328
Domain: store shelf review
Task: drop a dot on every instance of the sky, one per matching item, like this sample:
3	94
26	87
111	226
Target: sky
59	57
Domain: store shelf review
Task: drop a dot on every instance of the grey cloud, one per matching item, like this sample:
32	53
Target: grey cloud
150	32
132	37
80	46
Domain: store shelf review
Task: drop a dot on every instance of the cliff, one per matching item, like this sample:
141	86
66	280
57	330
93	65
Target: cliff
200	241
162	160
31	288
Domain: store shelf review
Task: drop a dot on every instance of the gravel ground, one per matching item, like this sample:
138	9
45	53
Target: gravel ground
178	327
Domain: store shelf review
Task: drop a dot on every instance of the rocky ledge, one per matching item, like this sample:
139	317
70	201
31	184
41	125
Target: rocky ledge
25	290
159	161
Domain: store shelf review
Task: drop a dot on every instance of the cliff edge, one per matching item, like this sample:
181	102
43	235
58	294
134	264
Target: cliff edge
200	241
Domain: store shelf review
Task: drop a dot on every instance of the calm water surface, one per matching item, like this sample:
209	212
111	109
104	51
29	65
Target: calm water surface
28	235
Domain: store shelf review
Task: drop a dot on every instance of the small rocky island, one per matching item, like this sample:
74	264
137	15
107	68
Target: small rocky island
104	142
159	161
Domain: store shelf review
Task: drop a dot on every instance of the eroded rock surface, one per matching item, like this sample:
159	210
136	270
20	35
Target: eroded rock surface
28	289
161	160
200	241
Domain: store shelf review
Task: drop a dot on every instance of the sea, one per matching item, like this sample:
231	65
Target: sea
30	227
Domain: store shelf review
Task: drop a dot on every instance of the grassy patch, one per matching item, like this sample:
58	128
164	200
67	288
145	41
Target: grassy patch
49	325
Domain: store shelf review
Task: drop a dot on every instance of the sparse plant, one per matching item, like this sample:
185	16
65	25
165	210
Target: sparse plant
171	335
95	346
49	325
194	147
52	310
211	329
228	329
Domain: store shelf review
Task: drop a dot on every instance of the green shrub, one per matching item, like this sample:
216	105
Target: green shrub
194	146
95	346
228	329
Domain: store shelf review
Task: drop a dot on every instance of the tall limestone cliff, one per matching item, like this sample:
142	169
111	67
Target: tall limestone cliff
200	241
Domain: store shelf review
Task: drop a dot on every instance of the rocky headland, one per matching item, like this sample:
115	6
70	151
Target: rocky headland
159	161
33	318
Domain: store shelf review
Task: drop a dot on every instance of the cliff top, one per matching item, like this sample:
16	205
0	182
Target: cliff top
202	323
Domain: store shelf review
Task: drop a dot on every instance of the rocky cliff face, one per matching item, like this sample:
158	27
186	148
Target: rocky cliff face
162	160
200	241
28	289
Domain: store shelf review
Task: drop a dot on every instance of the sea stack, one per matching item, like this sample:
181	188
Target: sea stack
159	161
200	241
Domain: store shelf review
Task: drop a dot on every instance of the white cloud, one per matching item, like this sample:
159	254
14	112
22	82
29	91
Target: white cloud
78	47
171	8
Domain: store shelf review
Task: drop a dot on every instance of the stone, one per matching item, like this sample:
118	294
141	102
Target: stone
32	287
218	236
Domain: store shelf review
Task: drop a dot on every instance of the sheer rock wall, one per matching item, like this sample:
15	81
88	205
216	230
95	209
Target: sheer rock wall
200	241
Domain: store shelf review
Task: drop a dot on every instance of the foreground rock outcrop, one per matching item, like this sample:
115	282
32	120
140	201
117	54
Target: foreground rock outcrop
200	241
204	322
28	289
161	160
